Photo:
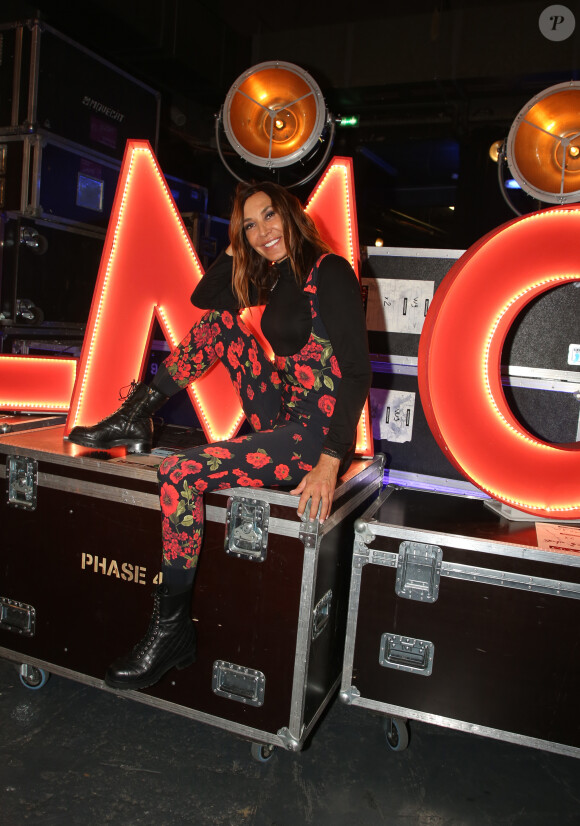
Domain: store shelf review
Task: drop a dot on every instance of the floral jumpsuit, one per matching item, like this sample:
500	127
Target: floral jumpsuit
288	404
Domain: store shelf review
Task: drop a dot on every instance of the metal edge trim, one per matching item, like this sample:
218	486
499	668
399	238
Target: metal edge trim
280	497
472	544
32	427
557	385
537	376
414	252
303	640
97	491
283	527
439	484
394	363
368	515
398	368
272	496
45	27
351	626
320	710
375	467
249	733
17	78
100	466
33	74
267	737
487	576
257	735
469	728
565	381
304	636
280	527
521	582
287	527
337	516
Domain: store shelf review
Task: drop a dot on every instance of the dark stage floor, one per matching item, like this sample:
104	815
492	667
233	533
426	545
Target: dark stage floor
71	754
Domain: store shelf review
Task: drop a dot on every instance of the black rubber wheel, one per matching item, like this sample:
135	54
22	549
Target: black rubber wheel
32	677
396	733
261	752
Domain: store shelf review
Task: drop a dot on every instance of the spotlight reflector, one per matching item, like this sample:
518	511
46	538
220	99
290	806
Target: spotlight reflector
543	145
274	114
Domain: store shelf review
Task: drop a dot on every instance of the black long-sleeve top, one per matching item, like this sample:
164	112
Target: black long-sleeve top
287	323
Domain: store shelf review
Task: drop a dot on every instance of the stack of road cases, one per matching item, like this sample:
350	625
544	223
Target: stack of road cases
47	177
65	117
80	558
51	82
461	618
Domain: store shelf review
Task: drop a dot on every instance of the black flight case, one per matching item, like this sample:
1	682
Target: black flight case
80	558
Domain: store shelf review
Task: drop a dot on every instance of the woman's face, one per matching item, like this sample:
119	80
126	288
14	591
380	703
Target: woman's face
264	227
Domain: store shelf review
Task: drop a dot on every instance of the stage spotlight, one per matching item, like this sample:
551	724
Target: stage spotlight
543	145
274	116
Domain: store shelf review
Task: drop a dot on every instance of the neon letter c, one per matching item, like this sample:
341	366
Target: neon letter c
459	363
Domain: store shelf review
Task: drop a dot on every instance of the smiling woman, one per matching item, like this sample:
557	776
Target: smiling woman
303	408
268	220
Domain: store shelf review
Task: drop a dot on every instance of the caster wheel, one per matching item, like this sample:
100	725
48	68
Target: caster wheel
32	677
396	733
261	752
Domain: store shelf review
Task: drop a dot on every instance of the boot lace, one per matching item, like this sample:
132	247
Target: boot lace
152	631
127	391
130	388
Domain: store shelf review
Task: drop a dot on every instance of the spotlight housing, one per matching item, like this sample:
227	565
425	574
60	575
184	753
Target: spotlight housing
543	145
274	117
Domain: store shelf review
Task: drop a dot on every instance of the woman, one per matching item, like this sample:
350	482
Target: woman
303	409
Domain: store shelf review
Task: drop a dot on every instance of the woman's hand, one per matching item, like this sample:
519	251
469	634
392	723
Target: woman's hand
318	485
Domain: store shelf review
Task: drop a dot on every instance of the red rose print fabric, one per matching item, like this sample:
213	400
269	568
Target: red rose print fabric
288	405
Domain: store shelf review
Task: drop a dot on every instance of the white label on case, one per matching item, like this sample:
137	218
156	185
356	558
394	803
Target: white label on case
392	413
397	305
574	354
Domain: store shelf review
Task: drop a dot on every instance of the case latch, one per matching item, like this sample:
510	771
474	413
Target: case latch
407	654
418	571
22	476
321	614
247	528
245	685
17	617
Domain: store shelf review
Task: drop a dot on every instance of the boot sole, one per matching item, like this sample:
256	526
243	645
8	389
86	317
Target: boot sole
132	447
121	685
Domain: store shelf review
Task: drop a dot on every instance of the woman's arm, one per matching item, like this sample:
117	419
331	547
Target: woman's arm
214	291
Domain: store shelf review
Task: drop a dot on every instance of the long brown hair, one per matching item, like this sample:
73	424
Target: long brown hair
301	239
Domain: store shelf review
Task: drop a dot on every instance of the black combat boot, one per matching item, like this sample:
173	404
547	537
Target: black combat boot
130	426
168	643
